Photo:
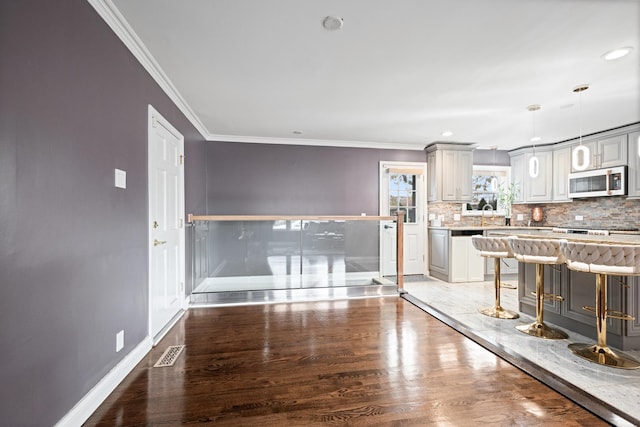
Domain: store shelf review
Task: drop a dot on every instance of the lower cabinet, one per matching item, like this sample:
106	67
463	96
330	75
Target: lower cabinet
452	257
466	264
578	290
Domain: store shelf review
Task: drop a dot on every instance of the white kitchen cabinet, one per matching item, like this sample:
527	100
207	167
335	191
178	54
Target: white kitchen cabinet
466	264
517	175
532	190
561	169
450	170
633	171
606	152
540	188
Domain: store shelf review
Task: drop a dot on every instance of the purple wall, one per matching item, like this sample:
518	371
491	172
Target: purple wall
257	179
73	248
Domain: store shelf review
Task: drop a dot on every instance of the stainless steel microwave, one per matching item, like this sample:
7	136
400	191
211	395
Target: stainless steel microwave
598	183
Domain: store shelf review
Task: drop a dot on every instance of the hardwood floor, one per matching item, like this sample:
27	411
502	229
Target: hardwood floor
378	361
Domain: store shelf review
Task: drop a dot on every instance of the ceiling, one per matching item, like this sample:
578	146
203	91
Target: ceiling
397	74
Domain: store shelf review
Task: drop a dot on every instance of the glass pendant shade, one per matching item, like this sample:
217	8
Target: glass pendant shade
534	167
580	158
580	155
494	184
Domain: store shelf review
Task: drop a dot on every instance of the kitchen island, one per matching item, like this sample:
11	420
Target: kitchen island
578	290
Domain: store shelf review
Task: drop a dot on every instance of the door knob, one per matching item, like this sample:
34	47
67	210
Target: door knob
157	242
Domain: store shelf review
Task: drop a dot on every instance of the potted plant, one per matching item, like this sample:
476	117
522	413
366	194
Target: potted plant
506	195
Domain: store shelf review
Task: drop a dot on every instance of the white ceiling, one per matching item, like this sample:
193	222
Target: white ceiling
398	73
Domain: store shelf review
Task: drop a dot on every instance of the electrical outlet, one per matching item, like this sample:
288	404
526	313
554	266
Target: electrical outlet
456	217
579	218
119	341
520	217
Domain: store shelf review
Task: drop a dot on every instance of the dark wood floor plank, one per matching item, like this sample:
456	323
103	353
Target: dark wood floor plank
358	362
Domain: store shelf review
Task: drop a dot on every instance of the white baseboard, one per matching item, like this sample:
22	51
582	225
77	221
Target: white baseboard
98	394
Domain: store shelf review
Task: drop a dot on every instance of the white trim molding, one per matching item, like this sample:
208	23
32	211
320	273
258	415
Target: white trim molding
99	393
112	16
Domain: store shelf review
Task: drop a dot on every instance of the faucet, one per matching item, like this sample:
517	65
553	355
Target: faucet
484	208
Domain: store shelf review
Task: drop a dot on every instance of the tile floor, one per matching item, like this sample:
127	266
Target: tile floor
619	388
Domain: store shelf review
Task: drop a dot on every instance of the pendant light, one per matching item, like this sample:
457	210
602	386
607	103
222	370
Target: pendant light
534	163
494	180
580	156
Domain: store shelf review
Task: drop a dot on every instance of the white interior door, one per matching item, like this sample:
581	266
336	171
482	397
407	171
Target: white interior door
166	224
402	187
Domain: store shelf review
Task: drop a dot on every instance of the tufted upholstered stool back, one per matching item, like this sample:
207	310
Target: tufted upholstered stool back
617	259
495	247
537	251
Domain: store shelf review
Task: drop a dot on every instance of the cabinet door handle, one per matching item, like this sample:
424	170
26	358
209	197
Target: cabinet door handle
157	242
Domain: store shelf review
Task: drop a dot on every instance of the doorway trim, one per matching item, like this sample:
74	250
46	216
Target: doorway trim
422	196
154	118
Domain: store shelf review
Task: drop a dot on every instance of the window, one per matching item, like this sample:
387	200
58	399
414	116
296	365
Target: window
402	195
485	183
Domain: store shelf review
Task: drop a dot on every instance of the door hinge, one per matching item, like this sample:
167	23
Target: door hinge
181	286
181	223
182	159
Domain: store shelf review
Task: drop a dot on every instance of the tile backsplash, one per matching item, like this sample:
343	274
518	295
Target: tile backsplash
601	212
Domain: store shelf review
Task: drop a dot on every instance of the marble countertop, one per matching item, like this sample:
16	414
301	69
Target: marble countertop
618	237
612	239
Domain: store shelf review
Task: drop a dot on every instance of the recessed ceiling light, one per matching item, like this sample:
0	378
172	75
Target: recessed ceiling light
332	23
447	133
617	53
536	139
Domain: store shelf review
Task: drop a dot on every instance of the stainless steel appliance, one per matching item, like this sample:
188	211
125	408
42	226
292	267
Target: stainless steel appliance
598	183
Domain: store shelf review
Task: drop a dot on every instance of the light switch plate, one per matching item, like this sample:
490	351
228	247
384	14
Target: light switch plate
520	217
456	217
119	340
579	217
120	178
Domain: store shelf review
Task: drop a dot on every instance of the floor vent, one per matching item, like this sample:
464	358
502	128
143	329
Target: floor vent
169	356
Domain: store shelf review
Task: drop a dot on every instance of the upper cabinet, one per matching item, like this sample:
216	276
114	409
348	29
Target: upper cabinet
634	164
607	152
561	169
450	168
618	147
532	190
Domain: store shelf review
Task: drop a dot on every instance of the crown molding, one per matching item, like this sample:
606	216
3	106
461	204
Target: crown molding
314	142
117	22
119	25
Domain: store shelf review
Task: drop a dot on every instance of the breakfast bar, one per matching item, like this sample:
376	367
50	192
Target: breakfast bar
578	291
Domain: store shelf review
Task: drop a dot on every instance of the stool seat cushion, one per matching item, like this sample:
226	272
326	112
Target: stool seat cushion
537	251
602	258
495	247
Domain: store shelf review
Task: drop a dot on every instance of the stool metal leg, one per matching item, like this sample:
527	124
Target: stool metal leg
538	328
600	353
497	310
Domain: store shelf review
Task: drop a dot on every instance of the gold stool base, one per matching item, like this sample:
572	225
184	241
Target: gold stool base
540	330
507	285
604	356
499	313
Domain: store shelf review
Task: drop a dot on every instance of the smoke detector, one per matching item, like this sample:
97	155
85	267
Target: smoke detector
332	23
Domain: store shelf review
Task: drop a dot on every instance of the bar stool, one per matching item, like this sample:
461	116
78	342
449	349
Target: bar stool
496	248
603	259
539	252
